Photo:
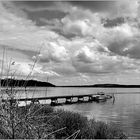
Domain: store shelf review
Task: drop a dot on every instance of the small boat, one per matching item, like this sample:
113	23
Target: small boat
101	97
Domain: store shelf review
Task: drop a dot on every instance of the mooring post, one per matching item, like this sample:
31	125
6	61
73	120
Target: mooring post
56	101
90	98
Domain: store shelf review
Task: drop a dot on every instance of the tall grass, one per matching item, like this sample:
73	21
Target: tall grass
86	129
14	122
42	121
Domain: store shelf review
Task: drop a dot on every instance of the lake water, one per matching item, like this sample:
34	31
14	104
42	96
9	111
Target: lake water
124	112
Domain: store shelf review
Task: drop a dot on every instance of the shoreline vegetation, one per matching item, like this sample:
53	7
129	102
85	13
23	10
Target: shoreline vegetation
8	82
36	121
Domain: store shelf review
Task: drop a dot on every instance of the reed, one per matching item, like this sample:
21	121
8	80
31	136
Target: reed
17	123
79	127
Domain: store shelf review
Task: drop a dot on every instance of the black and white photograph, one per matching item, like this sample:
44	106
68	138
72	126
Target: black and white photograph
69	69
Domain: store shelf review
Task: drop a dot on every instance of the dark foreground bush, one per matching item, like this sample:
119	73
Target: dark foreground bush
28	122
78	126
108	131
41	122
72	122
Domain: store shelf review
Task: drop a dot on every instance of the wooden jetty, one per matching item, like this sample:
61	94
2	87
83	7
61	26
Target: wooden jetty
69	99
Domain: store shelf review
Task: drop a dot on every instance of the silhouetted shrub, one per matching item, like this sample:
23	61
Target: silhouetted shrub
28	122
80	127
108	131
72	121
37	121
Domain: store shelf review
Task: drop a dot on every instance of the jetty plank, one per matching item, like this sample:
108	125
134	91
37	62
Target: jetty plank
52	97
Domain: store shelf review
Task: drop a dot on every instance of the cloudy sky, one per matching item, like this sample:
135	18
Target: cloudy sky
72	42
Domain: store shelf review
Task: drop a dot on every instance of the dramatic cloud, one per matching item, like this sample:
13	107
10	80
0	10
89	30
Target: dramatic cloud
71	41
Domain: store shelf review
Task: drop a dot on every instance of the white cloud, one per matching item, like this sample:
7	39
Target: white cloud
85	55
81	22
52	51
38	71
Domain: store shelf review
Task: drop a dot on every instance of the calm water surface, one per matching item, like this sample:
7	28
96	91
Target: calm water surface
125	111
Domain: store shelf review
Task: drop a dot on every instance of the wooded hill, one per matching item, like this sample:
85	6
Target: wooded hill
24	83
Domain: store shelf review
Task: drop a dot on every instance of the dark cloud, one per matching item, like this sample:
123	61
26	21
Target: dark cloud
49	15
117	47
95	5
114	22
134	52
38	9
34	4
127	47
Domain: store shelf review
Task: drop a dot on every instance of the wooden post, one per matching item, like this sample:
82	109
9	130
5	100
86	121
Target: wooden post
90	98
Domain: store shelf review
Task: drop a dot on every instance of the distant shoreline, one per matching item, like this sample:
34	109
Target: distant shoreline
104	86
34	83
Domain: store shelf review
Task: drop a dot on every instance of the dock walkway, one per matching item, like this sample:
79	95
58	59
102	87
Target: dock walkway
69	99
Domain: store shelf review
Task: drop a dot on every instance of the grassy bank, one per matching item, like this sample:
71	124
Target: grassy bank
42	121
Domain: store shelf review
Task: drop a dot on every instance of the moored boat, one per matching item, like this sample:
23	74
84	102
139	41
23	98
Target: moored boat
101	97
